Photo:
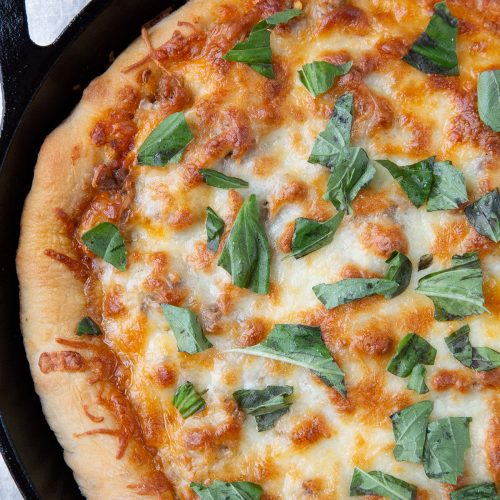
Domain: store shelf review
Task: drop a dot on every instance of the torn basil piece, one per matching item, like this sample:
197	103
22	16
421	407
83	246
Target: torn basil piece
300	345
215	229
484	215
87	326
220	180
266	405
220	490
256	49
187	400
166	143
399	270
319	76
310	235
456	292
332	145
345	291
410	426
481	359
425	261
478	491
416	381
434	51
412	350
415	180
246	255
379	483
186	329
348	178
448	188
446	442
107	243
488	98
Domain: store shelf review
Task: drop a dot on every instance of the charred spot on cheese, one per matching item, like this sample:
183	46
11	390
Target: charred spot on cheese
311	430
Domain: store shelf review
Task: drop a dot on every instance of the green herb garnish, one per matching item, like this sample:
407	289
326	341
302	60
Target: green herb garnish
319	76
412	350
457	292
219	180
434	52
380	483
417	380
256	49
107	243
445	445
484	215
87	326
448	188
186	329
488	98
399	270
246	255
267	405
187	400
166	143
481	359
310	235
215	229
220	490
410	427
479	491
345	291
303	346
425	261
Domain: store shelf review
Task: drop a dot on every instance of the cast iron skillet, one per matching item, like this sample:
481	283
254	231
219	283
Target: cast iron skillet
41	86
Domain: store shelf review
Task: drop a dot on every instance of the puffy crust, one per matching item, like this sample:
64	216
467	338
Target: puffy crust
52	298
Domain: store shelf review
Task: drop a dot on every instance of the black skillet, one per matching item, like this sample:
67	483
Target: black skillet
41	85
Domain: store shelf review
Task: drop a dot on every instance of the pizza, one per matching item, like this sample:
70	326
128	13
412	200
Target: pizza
260	258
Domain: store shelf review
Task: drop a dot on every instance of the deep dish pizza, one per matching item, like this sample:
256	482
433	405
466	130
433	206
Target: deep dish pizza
260	259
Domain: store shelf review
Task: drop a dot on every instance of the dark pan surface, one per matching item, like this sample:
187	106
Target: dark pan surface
41	86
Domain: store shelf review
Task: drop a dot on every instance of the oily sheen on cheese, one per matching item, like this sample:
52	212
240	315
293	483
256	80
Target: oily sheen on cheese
263	131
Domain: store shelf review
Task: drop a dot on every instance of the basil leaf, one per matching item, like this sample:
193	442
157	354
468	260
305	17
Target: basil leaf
488	98
220	490
479	491
410	426
215	229
457	292
300	345
219	180
332	145
267	405
380	483
87	326
481	359
246	255
310	235
425	261
256	49
318	77
415	179
166	143
399	270
445	445
283	16
186	329
448	188
435	49
107	243
348	177
344	291
187	400
484	215
412	350
417	380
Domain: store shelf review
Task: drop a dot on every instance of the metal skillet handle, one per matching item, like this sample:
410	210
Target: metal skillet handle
20	61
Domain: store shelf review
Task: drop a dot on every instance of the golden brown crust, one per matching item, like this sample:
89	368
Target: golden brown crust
52	298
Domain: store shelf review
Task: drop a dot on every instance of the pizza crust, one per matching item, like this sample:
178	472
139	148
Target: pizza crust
52	299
